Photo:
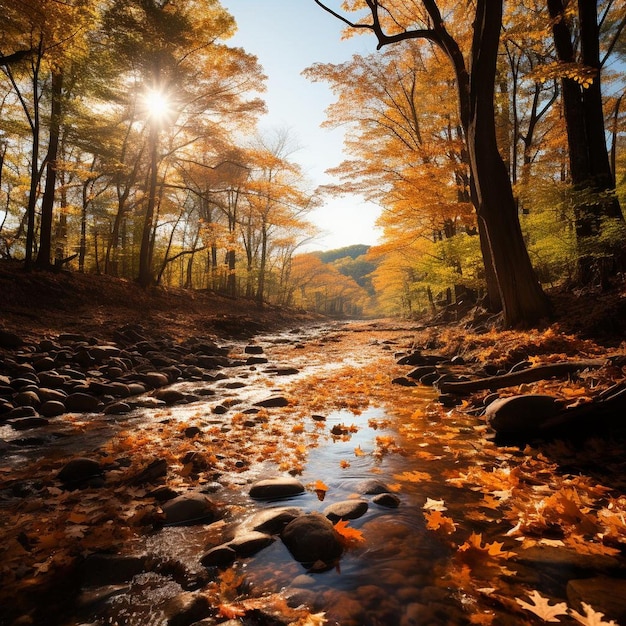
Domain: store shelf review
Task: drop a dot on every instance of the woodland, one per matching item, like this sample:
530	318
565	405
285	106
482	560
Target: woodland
180	384
128	148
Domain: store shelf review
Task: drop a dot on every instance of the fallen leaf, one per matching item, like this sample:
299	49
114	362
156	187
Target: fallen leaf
542	608
435	505
591	617
349	535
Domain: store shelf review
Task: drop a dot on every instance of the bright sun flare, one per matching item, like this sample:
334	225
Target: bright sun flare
157	104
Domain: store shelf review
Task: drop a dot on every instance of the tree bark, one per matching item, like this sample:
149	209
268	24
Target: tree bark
145	278
47	202
523	300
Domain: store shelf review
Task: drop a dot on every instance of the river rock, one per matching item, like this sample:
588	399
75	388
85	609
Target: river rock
27	398
9	339
52	380
170	396
274	488
46	394
22	411
272	402
26	423
402	381
346	509
272	521
186	608
388	500
118	408
607	595
520	415
253	349
219	556
52	408
250	543
420	371
110	569
79	470
190	508
81	403
311	539
372	486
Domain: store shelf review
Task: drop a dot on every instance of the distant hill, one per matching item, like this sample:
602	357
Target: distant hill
351	261
330	256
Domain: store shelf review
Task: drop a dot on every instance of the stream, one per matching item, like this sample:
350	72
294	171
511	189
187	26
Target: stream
409	568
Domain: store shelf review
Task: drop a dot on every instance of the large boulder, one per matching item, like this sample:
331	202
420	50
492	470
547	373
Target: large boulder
521	415
313	541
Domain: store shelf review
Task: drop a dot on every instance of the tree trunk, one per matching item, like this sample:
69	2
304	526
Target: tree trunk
145	278
523	300
588	157
47	202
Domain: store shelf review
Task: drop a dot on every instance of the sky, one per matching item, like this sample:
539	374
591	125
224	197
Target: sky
288	36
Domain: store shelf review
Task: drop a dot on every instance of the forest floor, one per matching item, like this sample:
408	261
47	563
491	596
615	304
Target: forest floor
510	501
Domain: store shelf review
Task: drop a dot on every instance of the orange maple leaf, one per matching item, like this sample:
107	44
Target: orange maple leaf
349	536
439	522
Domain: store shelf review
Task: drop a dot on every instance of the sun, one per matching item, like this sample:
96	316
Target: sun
157	104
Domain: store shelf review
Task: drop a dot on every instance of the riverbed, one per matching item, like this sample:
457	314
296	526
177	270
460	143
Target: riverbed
478	529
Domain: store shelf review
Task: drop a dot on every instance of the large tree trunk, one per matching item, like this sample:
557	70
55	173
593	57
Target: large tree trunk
47	202
523	300
588	157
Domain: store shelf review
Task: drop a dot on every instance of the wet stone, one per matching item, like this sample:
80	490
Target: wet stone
78	470
26	423
274	488
46	394
607	595
186	608
403	382
118	408
170	396
81	402
311	539
22	411
250	543
273	402
372	486
191	508
518	415
220	556
52	408
345	510
272	521
253	349
27	398
388	500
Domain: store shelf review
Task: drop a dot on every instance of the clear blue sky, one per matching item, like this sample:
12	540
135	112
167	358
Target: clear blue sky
287	36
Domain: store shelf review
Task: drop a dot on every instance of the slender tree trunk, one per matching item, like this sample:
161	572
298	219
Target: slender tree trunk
47	202
145	277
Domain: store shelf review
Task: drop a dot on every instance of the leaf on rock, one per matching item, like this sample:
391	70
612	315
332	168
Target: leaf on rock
591	617
542	608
